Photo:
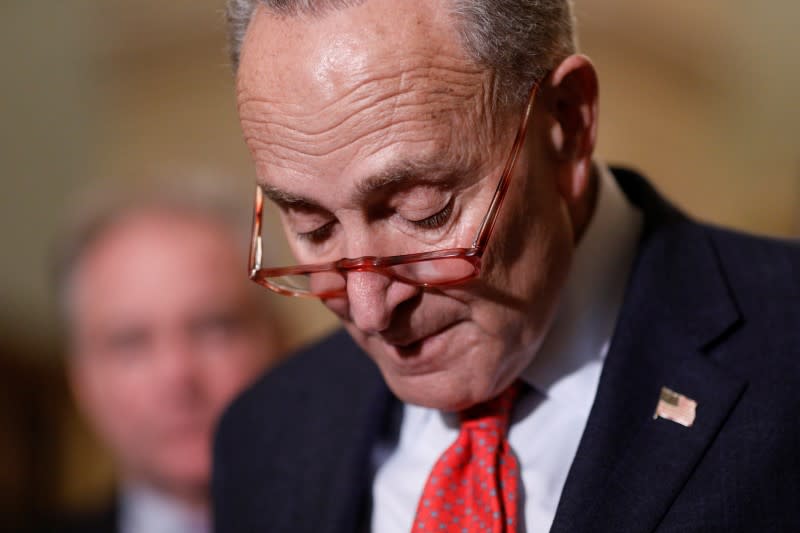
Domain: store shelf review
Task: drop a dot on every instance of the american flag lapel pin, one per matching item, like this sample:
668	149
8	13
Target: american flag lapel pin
675	407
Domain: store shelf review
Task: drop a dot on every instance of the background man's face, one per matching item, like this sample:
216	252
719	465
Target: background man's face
381	131
164	336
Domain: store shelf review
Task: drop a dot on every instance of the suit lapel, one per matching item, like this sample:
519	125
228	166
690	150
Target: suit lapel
663	453
630	467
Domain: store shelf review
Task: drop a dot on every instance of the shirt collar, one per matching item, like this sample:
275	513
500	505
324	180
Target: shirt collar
570	358
144	509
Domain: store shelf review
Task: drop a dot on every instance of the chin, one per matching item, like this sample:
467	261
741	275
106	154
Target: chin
457	380
444	390
188	466
453	369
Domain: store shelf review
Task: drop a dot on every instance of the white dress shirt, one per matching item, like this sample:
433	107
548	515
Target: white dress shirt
145	510
548	421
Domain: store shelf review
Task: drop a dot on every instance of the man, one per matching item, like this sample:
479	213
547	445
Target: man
594	361
163	333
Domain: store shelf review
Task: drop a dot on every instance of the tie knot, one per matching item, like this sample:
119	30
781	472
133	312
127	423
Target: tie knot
493	414
474	486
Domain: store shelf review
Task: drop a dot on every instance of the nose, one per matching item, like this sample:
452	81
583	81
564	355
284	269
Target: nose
178	372
373	299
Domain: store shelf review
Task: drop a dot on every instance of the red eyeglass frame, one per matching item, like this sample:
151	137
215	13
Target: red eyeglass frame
382	265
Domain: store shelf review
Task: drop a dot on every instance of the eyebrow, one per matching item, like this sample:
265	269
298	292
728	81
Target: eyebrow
404	172
396	175
286	199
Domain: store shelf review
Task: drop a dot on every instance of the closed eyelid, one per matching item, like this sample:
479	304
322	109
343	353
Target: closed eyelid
439	217
421	201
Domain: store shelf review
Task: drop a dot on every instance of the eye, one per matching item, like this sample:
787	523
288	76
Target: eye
127	344
438	219
216	326
317	235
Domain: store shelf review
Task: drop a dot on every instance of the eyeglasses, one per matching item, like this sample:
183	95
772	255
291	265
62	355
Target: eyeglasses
440	268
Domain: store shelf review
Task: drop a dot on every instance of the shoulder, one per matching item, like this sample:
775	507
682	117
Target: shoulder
763	277
769	265
744	287
754	267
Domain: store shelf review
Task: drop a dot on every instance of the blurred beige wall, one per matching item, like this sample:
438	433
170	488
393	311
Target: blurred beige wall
701	96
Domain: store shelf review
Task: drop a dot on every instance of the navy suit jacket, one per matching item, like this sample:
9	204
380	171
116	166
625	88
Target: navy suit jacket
710	313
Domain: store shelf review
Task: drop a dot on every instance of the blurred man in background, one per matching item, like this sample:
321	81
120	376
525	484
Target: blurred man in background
164	329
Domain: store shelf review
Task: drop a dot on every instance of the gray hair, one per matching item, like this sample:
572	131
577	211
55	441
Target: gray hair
519	40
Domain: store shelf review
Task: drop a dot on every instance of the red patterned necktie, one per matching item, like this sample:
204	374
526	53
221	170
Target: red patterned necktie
474	484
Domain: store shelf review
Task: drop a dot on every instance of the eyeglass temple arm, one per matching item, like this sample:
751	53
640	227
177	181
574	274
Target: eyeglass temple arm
255	245
490	219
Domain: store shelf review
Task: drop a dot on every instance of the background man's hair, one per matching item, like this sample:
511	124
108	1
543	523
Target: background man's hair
520	40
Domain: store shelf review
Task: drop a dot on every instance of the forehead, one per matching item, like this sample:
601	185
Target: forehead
354	82
151	261
343	47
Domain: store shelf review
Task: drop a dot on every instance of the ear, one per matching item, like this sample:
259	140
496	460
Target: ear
571	98
78	382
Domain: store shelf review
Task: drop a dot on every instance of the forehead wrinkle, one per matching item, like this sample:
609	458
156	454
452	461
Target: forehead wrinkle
433	97
368	126
284	142
437	154
404	90
267	151
440	150
462	86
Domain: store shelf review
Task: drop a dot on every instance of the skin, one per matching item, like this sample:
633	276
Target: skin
368	120
165	331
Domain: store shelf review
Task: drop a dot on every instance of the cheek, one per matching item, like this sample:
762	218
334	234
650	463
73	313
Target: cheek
526	266
107	395
534	231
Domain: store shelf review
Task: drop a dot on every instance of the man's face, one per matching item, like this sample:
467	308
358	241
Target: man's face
377	135
164	335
